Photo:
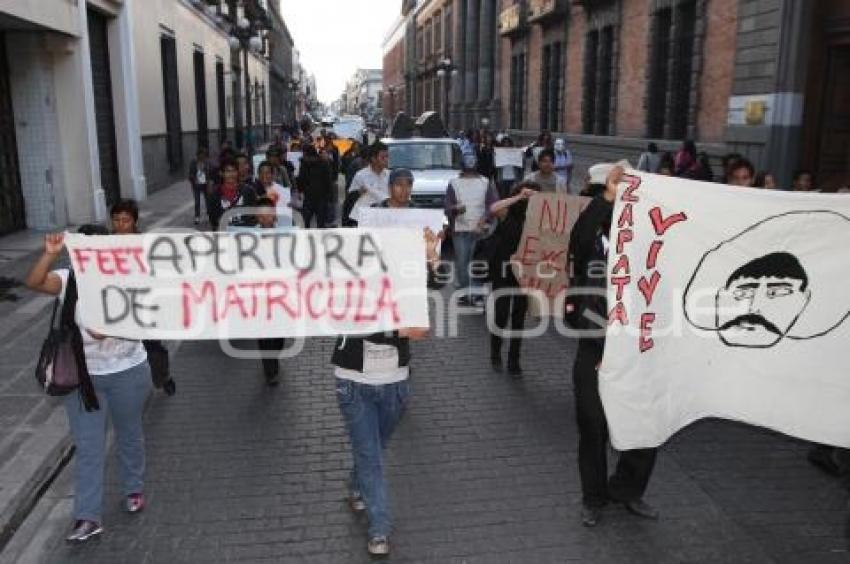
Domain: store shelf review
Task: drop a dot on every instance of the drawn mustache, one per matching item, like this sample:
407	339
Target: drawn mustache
752	318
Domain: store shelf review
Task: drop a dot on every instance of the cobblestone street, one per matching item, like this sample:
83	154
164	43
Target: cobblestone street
482	470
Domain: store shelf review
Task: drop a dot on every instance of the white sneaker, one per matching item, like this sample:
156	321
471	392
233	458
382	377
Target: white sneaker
83	531
378	546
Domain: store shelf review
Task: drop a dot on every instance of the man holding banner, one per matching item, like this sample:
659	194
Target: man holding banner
589	246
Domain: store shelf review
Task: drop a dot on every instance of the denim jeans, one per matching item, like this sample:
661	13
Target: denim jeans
464	245
371	414
123	395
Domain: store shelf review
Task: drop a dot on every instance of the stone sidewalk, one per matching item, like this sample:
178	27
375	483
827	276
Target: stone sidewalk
33	429
482	469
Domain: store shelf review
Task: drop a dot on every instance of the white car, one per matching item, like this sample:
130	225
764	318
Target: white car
433	161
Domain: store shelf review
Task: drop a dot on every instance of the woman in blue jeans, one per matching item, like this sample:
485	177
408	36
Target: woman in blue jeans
372	384
121	378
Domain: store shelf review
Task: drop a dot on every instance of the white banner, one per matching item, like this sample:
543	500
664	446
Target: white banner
508	156
251	284
726	302
420	218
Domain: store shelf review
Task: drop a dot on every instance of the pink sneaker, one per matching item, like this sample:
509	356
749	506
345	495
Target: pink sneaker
135	502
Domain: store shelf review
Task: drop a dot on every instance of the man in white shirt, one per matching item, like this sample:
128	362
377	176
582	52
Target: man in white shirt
372	182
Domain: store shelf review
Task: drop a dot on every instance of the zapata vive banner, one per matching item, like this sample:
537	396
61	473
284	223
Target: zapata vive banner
250	284
726	302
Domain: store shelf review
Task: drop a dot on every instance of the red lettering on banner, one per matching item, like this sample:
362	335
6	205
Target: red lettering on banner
559	226
232	298
386	301
618	314
634	184
661	224
647	288
652	256
80	258
624	236
622	265
332	292
645	342
276	293
620	282
527	250
253	287
207	293
626	218
309	299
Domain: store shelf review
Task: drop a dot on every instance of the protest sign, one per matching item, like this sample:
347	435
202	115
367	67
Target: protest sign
420	218
726	302
508	156
250	284
541	261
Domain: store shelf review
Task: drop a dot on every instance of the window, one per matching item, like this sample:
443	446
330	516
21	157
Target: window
662	20
221	95
551	78
598	81
420	52
424	155
171	92
669	88
438	33
517	102
201	99
447	45
428	49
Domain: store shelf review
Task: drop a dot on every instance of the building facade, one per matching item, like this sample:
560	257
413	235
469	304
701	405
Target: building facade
69	124
104	99
281	78
764	78
200	86
393	87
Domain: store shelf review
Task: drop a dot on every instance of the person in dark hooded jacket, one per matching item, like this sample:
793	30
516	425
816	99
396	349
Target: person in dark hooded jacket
589	243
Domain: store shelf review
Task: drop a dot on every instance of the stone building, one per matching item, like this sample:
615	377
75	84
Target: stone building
103	99
765	78
282	80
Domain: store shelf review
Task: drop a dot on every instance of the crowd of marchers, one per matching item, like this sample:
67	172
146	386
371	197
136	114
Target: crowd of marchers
485	208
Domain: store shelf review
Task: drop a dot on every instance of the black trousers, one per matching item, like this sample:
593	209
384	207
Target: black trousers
511	308
634	467
319	210
200	191
271	365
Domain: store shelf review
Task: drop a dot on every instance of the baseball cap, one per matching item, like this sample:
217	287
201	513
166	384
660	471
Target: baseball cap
400	174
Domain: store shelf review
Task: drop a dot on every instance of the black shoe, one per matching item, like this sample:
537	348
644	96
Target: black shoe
169	387
514	371
642	509
590	516
271	380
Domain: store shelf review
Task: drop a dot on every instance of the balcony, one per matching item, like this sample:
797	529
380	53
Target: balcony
512	20
541	11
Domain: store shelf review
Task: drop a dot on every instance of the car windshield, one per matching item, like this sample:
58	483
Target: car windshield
425	156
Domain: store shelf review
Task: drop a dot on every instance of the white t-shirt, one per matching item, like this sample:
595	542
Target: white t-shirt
380	366
107	355
377	185
281	197
472	193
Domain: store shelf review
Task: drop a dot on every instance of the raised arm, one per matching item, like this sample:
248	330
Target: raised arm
40	278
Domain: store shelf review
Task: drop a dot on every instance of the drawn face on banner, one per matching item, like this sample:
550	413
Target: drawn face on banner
778	280
761	301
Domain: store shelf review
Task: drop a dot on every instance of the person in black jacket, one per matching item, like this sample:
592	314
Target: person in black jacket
315	182
509	301
589	249
372	384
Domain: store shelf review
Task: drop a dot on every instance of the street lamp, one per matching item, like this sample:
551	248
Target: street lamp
250	20
446	71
